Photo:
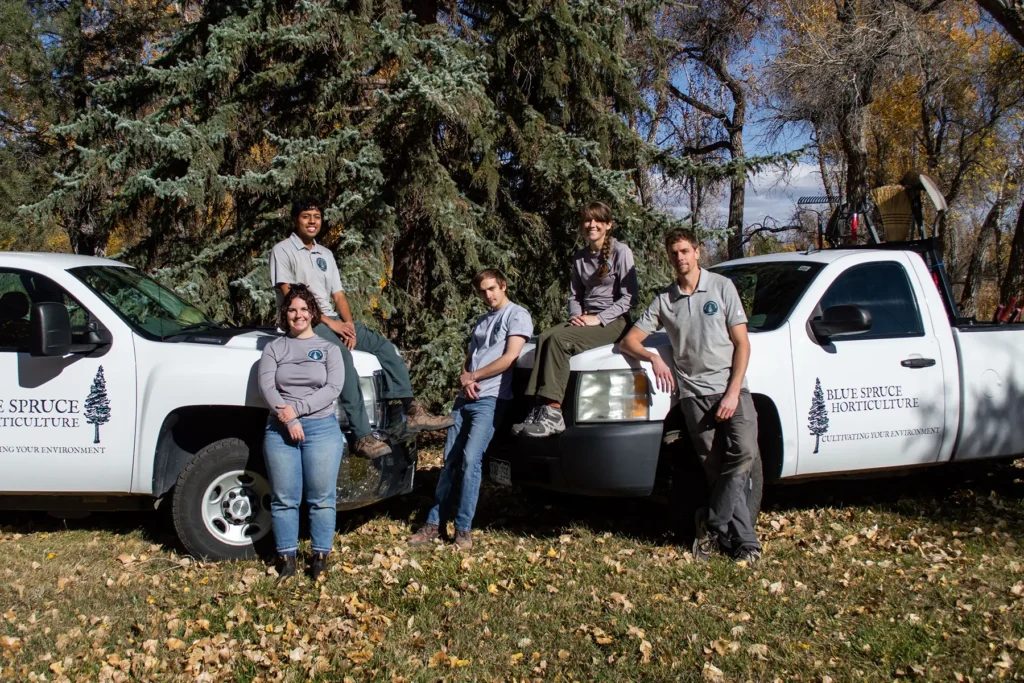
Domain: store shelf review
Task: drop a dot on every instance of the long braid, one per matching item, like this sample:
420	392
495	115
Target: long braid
606	256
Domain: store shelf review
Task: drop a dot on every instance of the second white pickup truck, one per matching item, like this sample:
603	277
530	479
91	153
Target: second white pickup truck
858	363
116	395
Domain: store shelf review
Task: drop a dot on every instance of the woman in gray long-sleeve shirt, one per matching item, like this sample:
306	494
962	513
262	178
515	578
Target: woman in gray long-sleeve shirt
603	289
300	377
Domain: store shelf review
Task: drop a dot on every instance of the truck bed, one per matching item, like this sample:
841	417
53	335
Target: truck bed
992	391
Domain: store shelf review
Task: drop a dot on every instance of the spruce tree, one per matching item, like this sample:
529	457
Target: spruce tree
444	136
817	418
97	404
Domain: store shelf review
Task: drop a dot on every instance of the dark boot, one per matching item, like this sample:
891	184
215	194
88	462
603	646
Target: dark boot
420	420
428	533
464	540
318	567
370	447
285	567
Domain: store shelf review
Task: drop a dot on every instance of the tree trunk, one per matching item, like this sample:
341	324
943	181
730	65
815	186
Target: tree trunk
737	191
855	148
1009	14
425	10
979	259
826	183
1013	281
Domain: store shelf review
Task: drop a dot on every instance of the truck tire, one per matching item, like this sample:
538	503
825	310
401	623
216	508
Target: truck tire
221	504
690	490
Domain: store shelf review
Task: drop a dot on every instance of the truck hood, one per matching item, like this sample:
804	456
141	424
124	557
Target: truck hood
216	347
606	357
770	355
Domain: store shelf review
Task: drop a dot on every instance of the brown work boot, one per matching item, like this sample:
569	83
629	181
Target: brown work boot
418	419
428	533
370	447
464	540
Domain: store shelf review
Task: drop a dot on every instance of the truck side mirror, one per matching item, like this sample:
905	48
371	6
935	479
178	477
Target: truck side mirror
49	330
838	321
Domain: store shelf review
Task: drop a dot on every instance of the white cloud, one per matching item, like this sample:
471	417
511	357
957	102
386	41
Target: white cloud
770	193
773	194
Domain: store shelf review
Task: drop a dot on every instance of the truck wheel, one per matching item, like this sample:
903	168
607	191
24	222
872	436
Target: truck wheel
690	489
221	504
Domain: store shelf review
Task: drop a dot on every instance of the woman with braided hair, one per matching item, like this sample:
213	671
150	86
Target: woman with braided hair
602	291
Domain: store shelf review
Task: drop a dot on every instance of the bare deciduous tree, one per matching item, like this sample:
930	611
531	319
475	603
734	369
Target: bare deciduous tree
833	61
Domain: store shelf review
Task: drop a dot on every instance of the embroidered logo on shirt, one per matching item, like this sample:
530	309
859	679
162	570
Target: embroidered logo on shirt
710	308
316	354
321	264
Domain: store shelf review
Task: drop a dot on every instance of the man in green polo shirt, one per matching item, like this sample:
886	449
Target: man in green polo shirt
704	318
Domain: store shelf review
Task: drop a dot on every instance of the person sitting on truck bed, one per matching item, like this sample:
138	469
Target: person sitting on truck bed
704	318
602	289
300	376
300	259
486	379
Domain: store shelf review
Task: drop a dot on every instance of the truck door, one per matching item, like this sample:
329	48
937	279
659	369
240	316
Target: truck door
67	424
875	399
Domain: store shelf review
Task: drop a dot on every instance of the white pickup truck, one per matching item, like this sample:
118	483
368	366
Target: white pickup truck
115	395
858	363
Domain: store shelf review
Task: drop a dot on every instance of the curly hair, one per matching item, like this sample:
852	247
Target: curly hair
306	204
298	291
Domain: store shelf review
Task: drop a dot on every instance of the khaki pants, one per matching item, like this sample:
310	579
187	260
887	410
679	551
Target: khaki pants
557	345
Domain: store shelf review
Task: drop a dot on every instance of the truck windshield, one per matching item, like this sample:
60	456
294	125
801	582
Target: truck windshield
150	308
770	290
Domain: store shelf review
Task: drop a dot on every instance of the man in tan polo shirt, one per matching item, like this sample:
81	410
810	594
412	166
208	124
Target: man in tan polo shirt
704	318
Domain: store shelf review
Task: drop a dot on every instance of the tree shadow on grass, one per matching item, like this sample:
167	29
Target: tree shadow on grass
153	526
967	495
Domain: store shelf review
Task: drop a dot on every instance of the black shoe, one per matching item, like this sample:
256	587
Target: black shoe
704	544
285	567
318	567
748	555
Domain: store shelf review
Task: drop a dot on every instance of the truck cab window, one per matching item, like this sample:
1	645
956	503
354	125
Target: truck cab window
884	289
19	290
770	290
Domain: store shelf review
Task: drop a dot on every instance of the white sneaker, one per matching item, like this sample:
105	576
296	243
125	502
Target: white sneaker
548	423
531	417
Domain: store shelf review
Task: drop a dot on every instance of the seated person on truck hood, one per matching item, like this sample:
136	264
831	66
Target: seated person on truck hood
603	288
301	259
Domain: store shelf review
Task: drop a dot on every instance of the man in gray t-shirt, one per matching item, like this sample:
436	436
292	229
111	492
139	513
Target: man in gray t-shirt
703	316
486	380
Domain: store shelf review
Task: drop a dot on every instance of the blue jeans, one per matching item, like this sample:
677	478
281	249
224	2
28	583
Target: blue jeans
312	464
468	438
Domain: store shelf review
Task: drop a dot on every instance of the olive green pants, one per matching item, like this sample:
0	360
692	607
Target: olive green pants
557	345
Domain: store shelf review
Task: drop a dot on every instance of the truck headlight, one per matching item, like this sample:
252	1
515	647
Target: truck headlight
612	396
368	387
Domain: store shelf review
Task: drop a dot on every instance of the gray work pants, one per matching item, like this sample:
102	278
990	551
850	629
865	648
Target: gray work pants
726	451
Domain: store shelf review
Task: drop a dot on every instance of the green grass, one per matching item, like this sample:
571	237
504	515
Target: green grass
915	577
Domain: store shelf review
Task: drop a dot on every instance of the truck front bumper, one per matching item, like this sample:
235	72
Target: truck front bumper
607	459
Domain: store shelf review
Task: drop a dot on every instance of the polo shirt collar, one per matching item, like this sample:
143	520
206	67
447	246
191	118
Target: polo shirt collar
676	293
299	244
702	285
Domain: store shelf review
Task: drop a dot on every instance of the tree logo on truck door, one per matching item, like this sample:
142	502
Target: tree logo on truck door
97	404
817	418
